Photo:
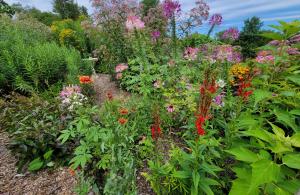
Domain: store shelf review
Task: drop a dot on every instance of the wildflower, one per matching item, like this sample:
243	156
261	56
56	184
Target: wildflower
71	171
292	51
295	39
85	79
119	76
215	19
190	53
123	111
155	35
109	96
219	100
171	8
274	43
155	131
231	33
265	57
170	108
226	53
121	67
134	22
123	121
221	83
199	125
157	84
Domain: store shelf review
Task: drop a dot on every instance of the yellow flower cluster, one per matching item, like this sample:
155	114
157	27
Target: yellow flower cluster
64	34
239	71
53	28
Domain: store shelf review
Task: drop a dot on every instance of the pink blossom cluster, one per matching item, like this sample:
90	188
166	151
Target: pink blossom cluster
231	33
155	35
228	53
295	39
171	8
191	53
71	97
199	13
293	51
69	91
134	22
265	57
119	69
215	19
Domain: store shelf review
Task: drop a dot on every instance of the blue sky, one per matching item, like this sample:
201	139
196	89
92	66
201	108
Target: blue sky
234	11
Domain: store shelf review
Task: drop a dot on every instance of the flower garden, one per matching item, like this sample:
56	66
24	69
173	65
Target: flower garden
182	112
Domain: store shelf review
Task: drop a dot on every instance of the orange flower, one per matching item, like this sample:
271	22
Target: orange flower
85	79
122	121
123	111
109	96
72	172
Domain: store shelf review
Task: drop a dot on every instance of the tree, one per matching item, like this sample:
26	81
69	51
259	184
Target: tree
250	37
5	8
68	9
46	18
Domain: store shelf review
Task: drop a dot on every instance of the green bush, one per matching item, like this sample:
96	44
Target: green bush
30	63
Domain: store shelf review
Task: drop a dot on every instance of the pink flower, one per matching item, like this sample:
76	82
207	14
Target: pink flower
215	19
155	35
295	39
171	8
121	67
119	76
265	57
157	84
170	108
292	51
134	22
231	33
190	53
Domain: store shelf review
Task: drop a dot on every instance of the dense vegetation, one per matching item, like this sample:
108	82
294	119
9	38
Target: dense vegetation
205	115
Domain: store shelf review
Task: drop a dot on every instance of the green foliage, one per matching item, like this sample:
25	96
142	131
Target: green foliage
285	30
34	126
6	9
68	9
250	38
195	40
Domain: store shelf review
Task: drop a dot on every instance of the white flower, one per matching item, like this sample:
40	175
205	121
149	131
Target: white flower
221	83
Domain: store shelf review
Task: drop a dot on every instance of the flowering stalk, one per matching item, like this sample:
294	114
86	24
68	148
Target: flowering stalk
155	127
174	37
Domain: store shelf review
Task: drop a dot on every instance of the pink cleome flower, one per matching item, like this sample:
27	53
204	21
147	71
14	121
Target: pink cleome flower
121	67
171	8
190	53
134	22
216	19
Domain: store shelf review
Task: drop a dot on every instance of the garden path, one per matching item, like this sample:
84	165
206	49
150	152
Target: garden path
45	182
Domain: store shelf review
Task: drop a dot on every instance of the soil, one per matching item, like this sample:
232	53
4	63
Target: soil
58	181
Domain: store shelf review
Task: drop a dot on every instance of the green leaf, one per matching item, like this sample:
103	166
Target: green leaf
35	165
295	140
48	154
181	174
260	95
50	164
242	186
260	134
243	154
273	35
242	173
292	160
286	118
291	186
294	78
295	112
264	171
278	131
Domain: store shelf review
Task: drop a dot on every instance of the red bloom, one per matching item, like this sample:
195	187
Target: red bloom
199	125
109	96
155	131
122	121
123	111
85	79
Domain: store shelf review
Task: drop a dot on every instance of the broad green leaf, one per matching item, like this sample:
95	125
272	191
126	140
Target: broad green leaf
35	165
243	154
295	140
291	186
260	134
280	191
242	186
260	95
242	173
264	171
295	112
292	160
48	154
273	35
286	118
204	186
294	78
278	131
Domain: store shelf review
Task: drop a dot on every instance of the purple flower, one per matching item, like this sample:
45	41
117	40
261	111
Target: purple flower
231	33
215	19
219	100
134	22
155	35
274	43
295	39
228	53
292	51
171	8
